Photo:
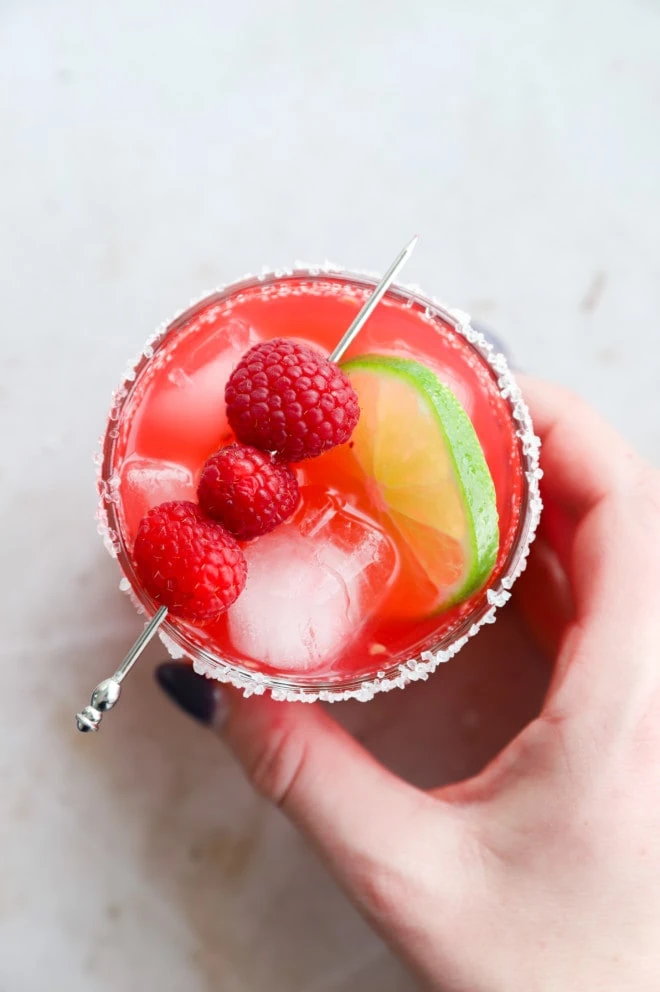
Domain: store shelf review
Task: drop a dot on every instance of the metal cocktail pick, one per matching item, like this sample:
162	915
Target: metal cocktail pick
373	301
107	692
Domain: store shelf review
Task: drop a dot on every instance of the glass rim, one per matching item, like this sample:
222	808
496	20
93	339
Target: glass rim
397	674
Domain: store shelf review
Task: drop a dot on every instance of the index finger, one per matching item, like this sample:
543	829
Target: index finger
583	457
610	501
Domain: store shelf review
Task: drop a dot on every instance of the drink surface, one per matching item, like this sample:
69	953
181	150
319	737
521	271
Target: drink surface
334	593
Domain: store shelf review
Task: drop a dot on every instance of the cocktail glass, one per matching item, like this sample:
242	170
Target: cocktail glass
376	628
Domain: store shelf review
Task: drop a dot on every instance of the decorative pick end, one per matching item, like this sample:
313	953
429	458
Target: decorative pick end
106	694
87	721
104	697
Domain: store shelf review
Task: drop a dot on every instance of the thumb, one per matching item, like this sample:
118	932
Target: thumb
377	833
297	756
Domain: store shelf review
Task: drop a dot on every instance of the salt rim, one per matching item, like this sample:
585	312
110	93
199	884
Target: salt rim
413	670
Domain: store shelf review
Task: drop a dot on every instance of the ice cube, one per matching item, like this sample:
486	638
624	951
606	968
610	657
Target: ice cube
145	482
184	416
311	585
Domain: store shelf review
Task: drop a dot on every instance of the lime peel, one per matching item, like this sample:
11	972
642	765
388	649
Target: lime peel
423	461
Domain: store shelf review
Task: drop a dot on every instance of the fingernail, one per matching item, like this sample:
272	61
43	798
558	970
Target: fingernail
199	697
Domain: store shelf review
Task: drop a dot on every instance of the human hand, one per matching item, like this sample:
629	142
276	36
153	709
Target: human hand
540	873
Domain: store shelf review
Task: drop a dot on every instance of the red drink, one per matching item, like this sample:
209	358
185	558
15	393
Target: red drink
335	601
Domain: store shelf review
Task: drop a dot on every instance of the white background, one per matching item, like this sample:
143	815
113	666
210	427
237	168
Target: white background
149	150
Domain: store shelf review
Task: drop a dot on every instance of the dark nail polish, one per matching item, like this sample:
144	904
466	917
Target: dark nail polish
194	693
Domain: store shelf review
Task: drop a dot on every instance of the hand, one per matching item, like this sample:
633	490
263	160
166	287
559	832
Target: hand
540	873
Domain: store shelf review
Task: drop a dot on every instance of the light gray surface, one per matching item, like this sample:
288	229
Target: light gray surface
147	151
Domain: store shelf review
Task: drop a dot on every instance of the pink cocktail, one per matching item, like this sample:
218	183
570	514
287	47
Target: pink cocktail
335	604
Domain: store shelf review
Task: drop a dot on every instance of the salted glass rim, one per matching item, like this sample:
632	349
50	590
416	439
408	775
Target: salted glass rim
397	674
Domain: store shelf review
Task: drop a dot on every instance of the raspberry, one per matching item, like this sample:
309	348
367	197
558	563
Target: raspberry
287	398
246	491
188	563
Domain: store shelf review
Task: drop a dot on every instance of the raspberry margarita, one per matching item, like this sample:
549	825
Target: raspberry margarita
399	543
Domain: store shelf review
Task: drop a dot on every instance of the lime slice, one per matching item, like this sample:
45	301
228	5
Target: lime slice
426	470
